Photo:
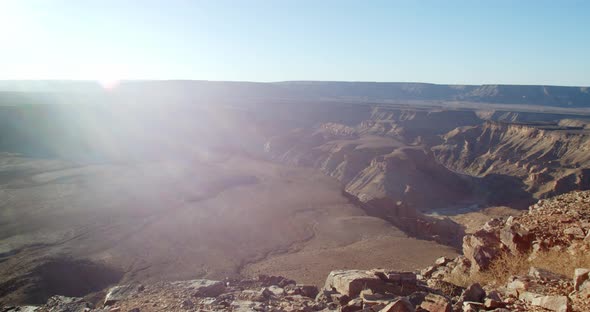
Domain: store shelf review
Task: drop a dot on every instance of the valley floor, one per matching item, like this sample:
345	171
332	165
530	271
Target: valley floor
182	219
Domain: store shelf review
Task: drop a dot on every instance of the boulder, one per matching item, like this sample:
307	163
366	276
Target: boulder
552	303
436	303
481	248
474	293
352	282
517	239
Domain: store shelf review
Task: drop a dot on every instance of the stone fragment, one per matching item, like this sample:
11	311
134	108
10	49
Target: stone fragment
436	303
442	261
310	291
353	305
543	274
252	295
581	275
400	305
473	292
553	303
574	233
67	304
516	238
490	304
273	291
518	284
470	306
481	248
121	292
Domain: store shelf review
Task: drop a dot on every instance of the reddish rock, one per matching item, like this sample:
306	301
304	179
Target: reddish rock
436	303
400	305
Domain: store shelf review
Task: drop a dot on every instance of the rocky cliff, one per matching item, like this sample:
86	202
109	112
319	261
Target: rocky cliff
548	159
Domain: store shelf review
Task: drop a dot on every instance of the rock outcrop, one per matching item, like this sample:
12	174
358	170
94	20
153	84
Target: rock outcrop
547	159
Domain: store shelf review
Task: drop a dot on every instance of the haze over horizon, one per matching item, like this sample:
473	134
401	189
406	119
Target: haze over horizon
460	42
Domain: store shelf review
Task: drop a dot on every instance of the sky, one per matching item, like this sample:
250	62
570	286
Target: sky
456	42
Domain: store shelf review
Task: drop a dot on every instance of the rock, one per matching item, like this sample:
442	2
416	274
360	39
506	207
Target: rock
517	239
245	306
273	291
187	304
374	301
121	292
340	298
473	292
442	261
553	303
400	305
280	281
426	273
353	305
581	275
470	306
252	295
134	310
203	287
310	291
517	284
446	288
416	298
352	282
574	233
436	303
67	304
481	248
402	277
490	304
543	274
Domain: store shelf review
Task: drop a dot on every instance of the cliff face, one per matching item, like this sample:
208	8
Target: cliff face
547	159
373	166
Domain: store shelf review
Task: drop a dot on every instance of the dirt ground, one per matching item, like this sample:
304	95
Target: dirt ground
183	219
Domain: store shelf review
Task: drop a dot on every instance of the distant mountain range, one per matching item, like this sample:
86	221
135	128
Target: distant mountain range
556	96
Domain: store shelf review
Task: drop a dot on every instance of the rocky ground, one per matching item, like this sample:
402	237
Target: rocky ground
560	224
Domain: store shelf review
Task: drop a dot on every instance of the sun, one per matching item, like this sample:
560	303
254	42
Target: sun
109	83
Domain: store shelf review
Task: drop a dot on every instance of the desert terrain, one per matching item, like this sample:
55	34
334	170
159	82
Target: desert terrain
160	182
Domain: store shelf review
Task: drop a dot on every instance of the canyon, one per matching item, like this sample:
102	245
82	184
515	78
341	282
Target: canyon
158	182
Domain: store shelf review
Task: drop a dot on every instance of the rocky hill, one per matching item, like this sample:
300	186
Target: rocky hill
534	262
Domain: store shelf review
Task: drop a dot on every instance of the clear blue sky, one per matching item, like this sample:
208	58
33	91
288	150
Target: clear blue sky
520	42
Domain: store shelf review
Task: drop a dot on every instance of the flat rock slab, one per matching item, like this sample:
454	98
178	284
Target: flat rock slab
352	282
